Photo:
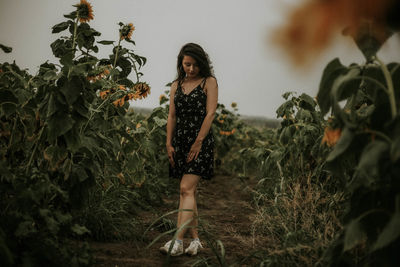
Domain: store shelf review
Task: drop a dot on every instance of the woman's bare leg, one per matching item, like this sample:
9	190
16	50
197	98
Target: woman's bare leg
187	201
194	223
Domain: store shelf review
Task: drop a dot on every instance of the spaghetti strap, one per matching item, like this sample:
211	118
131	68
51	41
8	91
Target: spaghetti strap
203	83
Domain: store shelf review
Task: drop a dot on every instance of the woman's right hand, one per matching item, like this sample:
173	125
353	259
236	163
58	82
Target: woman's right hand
171	154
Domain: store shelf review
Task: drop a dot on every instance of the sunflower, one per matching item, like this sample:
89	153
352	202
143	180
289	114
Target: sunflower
84	11
104	94
227	133
126	31
142	89
331	136
103	73
119	102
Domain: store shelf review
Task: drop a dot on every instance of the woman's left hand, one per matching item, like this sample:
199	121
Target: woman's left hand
194	151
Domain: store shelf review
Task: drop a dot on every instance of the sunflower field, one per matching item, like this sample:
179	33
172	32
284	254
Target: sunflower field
78	164
68	141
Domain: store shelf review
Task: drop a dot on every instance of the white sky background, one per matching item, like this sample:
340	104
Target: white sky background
250	71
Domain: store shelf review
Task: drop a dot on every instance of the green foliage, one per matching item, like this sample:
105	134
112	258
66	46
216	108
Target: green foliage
234	142
365	158
294	150
5	49
59	139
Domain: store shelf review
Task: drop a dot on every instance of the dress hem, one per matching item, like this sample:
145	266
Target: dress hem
195	173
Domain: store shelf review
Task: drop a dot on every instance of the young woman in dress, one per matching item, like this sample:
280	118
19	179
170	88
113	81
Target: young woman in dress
190	143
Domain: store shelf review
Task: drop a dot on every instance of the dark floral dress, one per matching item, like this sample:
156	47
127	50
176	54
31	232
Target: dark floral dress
190	111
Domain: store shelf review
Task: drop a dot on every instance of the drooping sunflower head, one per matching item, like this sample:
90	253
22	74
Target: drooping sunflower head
126	31
311	27
84	11
331	136
163	99
142	89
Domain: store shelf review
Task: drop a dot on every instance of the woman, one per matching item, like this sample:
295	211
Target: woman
193	101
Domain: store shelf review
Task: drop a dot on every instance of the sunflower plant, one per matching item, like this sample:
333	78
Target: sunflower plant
366	156
364	101
64	131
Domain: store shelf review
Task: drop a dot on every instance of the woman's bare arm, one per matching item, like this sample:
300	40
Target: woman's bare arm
212	100
171	123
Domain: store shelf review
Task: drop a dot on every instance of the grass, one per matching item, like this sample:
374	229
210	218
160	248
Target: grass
299	223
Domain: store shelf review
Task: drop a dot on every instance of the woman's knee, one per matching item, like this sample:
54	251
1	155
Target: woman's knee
187	190
189	184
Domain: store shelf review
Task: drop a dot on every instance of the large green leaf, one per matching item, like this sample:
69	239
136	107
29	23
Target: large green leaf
160	122
285	109
71	89
60	27
354	235
5	49
52	106
331	72
349	85
81	107
79	230
73	139
25	229
50	75
59	124
395	150
67	60
365	111
304	115
55	156
390	233
307	102
368	166
8	102
105	42
61	47
286	134
344	82
79	173
7	96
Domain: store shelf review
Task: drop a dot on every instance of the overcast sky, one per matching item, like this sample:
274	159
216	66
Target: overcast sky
250	71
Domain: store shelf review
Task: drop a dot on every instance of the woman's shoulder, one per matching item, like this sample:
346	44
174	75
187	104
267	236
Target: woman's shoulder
211	81
174	86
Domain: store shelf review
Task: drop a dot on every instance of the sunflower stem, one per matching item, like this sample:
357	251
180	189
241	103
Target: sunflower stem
75	29
390	86
34	151
93	111
116	53
137	74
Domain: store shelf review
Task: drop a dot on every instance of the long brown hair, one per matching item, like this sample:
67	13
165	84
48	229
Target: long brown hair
197	53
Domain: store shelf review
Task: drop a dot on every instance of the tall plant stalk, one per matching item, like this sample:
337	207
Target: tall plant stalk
390	87
116	53
75	30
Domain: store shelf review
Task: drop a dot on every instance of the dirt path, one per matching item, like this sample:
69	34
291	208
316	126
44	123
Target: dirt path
225	214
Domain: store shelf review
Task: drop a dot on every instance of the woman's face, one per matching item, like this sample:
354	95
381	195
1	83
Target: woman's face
190	67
